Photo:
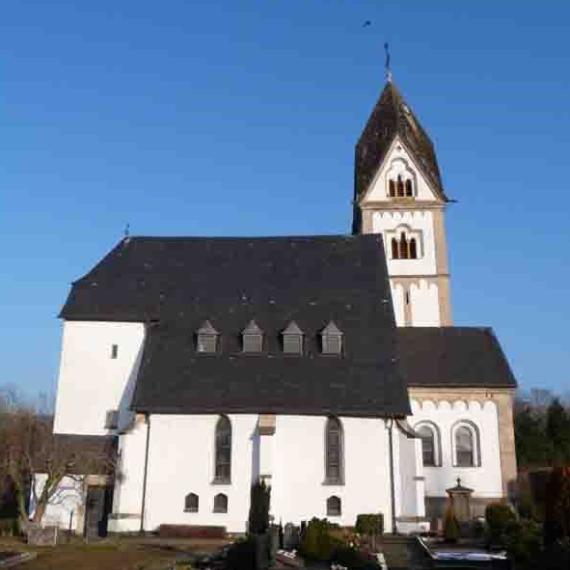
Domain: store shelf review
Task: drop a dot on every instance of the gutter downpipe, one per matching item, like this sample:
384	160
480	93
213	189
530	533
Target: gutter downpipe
145	472
390	425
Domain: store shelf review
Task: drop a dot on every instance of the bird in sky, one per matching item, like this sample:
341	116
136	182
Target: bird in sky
366	24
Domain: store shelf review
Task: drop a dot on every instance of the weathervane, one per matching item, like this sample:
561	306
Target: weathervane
127	230
387	67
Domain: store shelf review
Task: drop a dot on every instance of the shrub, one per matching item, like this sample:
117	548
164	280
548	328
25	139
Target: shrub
451	529
523	542
318	542
370	524
499	516
556	556
9	527
259	508
241	555
557	511
191	531
353	559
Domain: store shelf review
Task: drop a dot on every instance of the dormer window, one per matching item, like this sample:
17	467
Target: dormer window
252	338
207	339
331	339
292	339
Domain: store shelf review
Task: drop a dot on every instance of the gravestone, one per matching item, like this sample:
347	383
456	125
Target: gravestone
291	538
460	497
42	535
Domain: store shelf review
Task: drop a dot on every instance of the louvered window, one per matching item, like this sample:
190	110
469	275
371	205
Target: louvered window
207	338
331	339
293	339
252	338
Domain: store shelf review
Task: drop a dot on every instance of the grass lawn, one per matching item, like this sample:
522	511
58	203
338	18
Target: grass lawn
111	554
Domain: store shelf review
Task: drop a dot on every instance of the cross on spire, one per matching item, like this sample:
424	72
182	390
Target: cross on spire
387	68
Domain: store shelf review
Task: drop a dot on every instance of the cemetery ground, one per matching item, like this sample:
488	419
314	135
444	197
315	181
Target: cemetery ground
125	553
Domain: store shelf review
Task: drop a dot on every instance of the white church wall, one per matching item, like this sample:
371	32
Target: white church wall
410	469
89	375
127	495
398	161
181	461
485	478
298	489
65	507
398	303
424	302
415	223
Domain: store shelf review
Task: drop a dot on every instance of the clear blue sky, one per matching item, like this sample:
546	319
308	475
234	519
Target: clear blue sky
240	117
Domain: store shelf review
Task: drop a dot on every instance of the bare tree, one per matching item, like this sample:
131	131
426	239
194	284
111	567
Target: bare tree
28	446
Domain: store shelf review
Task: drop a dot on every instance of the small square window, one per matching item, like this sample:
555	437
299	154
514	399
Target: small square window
221	503
191	503
334	508
112	419
114	351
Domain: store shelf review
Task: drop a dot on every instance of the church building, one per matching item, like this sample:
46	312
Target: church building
327	366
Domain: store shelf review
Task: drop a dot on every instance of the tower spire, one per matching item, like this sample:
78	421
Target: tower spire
387	68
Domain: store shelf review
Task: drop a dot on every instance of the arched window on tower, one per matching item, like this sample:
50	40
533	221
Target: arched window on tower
334	464
223	443
395	249
413	249
400	185
391	188
404	250
409	188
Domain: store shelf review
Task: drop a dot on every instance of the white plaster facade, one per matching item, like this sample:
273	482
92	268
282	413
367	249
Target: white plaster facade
415	281
66	507
91	382
485	477
398	161
291	460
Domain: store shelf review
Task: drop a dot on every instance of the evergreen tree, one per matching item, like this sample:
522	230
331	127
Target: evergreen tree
533	446
558	432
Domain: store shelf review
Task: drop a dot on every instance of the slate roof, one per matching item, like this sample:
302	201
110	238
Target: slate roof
176	284
97	452
393	117
453	357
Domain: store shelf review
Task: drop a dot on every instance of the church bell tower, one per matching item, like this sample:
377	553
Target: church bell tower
399	194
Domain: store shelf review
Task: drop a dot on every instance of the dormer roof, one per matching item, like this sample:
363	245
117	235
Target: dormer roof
392	117
206	328
331	329
292	328
252	328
